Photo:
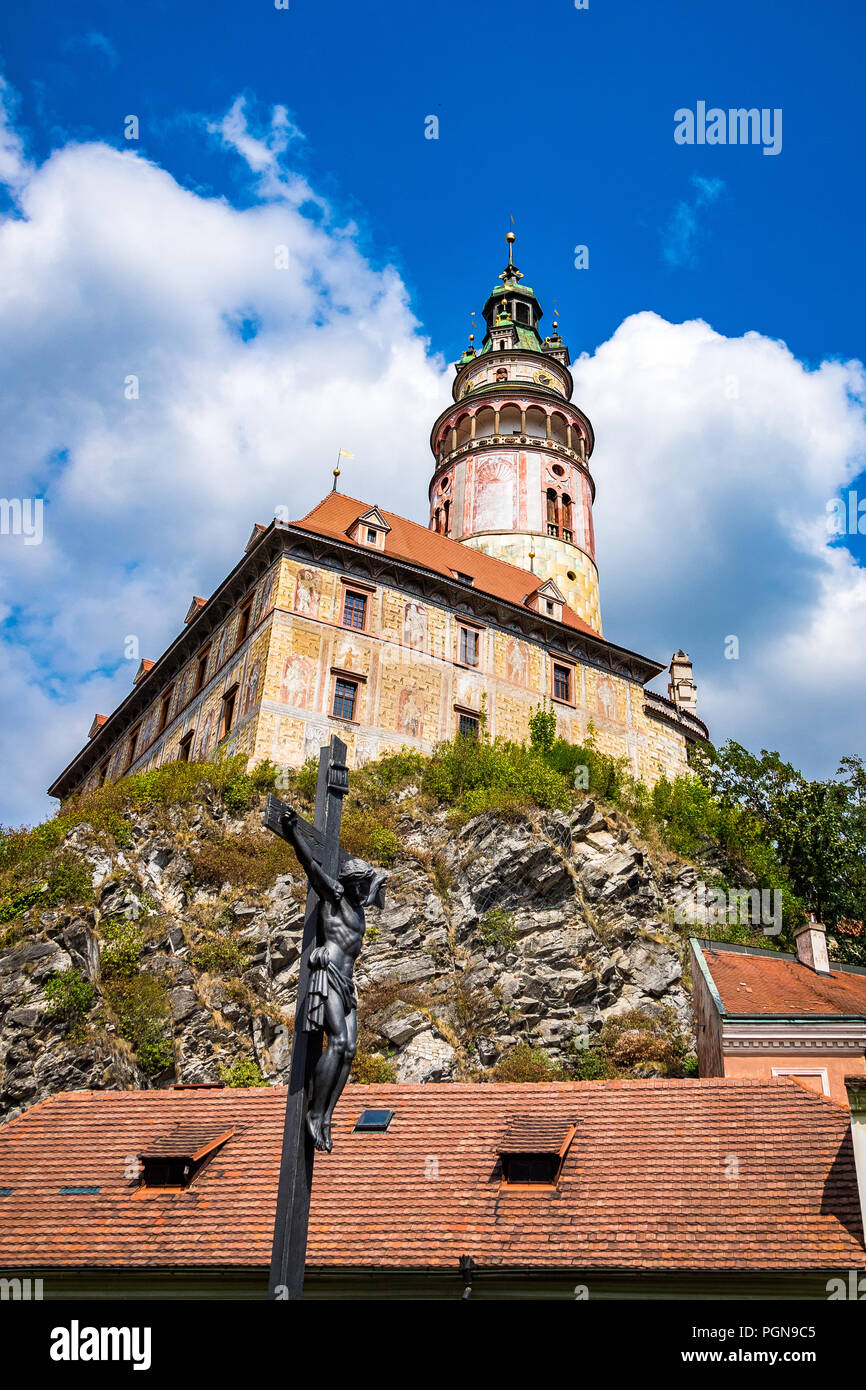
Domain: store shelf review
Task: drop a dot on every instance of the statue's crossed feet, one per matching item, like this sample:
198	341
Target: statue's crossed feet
314	1125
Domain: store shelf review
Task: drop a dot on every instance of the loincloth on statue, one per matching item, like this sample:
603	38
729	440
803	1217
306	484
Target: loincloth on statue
324	977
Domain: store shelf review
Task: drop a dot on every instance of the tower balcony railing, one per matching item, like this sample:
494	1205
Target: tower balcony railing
551	446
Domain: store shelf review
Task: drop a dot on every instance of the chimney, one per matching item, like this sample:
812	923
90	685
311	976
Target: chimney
811	941
681	687
856	1088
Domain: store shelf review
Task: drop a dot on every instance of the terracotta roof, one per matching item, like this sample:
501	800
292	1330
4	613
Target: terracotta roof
407	540
538	1133
773	984
187	1141
642	1185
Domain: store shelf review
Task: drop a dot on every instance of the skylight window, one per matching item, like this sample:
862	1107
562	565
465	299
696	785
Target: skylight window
374	1121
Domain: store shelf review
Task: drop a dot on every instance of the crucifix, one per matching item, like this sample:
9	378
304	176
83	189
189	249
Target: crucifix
339	888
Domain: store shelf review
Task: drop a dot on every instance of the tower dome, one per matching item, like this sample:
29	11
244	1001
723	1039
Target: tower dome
512	453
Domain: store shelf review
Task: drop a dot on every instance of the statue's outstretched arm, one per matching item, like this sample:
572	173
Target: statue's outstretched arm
325	886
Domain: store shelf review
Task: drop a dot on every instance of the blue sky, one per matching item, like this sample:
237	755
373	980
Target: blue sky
559	117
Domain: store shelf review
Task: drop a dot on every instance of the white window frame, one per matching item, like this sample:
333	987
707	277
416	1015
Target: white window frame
805	1071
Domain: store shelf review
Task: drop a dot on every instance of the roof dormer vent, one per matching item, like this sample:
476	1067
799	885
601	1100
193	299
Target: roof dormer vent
532	1150
176	1159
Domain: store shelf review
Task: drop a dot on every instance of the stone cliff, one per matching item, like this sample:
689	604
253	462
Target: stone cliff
506	945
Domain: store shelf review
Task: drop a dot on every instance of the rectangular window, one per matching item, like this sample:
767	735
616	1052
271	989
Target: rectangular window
132	745
371	536
354	610
468	726
103	773
244	620
165	706
185	749
228	711
201	669
469	645
345	699
562	682
530	1170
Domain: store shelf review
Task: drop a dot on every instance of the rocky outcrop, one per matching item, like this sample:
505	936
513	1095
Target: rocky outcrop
535	930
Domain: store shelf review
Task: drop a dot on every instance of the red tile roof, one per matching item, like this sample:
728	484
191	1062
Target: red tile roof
642	1185
407	540
773	984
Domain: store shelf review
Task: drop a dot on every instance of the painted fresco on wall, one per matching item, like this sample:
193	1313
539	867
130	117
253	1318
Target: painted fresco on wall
205	737
315	738
252	686
415	626
467	694
494	494
296	684
308	589
268	595
515	661
410	712
221	649
348	657
605	699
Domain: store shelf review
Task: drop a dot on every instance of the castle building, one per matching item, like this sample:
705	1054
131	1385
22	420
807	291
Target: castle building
356	620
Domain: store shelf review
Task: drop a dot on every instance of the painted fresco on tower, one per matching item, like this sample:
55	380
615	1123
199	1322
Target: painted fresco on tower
495	494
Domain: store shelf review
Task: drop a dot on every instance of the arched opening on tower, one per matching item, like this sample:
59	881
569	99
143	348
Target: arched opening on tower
509	420
536	423
552	522
566	518
559	429
484	423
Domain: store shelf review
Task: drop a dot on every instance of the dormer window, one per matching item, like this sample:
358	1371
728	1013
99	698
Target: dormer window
174	1161
547	600
532	1151
369	529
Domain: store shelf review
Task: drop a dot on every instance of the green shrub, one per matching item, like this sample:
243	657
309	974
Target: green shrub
372	1069
542	727
120	949
243	859
587	1063
69	997
243	1073
140	1006
16	904
477	775
498	928
636	1040
525	1063
222	955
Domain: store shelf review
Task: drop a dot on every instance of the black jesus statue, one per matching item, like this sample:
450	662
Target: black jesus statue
332	1002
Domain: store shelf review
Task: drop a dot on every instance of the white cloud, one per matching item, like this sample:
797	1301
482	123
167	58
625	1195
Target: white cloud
113	270
715	457
715	460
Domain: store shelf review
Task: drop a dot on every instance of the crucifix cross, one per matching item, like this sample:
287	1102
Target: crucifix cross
339	889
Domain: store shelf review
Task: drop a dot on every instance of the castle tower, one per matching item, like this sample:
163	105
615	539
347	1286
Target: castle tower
512	453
